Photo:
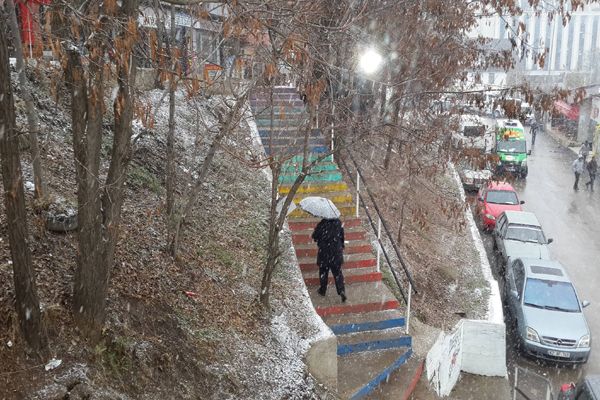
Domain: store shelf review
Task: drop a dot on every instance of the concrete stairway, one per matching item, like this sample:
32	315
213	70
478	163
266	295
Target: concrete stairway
369	326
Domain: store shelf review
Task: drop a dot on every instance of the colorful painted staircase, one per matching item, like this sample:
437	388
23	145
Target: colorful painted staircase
372	343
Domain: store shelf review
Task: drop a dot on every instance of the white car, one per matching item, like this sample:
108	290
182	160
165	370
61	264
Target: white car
473	133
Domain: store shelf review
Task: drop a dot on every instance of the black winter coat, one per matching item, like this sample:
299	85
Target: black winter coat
329	235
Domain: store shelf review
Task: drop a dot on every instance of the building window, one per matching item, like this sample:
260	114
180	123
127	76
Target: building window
207	47
491	78
581	46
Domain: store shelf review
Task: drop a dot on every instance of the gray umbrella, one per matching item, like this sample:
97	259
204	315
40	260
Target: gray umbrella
319	207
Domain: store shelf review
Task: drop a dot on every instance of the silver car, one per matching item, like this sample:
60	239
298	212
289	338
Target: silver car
518	234
546	311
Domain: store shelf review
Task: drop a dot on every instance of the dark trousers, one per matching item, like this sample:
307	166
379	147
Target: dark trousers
576	184
336	271
591	182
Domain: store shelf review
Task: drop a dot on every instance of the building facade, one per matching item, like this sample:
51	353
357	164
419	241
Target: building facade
572	48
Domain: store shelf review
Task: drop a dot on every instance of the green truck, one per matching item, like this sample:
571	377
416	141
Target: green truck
511	147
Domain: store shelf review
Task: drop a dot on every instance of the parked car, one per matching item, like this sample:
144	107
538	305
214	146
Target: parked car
473	133
495	198
546	311
519	234
474	170
587	388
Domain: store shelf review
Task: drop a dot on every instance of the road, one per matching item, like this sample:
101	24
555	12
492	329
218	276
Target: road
573	220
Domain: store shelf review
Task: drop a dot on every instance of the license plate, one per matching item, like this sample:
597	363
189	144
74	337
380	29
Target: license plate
562	354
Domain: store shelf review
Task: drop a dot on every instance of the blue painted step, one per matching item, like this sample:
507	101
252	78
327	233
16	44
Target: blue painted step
292	142
342	329
382	376
296	150
345	349
287	132
287	122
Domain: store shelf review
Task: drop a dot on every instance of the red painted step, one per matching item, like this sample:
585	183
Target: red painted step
312	252
372	277
366	263
306	238
357	308
304	225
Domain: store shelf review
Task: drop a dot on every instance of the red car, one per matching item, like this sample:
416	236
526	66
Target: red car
495	198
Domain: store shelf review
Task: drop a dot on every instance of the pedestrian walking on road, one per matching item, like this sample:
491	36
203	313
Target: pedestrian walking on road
592	168
585	150
577	170
533	132
329	235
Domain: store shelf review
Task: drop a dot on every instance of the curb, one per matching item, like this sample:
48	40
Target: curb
495	312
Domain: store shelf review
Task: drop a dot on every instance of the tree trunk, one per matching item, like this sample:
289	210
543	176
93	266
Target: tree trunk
32	117
273	241
86	120
27	303
170	181
99	208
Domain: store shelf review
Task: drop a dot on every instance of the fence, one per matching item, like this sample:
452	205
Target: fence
360	201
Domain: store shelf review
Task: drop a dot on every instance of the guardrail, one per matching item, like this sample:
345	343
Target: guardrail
360	201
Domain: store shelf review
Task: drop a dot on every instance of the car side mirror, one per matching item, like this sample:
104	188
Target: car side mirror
522	202
528	152
480	198
585	303
514	293
549	241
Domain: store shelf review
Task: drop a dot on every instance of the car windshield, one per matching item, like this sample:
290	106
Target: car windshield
474	130
511	146
551	295
525	233
502	197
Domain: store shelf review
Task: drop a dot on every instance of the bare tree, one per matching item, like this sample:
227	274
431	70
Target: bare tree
30	111
99	206
27	302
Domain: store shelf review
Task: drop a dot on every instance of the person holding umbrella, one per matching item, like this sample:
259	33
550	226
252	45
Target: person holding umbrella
329	235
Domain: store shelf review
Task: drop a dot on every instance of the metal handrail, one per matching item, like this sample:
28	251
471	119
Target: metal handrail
384	223
368	214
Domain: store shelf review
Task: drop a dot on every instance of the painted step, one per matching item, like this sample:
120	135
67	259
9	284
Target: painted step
277	101
279	111
296	123
305	238
373	321
276	89
348	278
324	176
372	341
286	131
336	197
359	260
362	297
345	211
401	382
295	150
295	168
381	364
298	159
287	142
301	224
314	188
310	250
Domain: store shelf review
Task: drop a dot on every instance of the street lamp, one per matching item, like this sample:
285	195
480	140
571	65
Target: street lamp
370	61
